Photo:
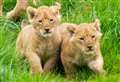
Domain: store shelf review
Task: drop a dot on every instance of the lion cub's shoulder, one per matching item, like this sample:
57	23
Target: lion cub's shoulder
26	36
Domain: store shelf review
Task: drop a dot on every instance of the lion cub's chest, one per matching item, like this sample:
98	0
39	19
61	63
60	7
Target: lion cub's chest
47	48
83	59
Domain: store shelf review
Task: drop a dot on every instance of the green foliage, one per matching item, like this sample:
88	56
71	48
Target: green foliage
15	69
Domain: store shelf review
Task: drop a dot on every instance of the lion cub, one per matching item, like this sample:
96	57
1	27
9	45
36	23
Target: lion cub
81	46
39	41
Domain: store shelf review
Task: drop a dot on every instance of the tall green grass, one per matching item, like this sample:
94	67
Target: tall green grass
15	69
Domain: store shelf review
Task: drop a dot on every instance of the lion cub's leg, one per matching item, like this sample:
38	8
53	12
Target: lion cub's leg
35	62
69	67
50	64
1	5
97	65
20	8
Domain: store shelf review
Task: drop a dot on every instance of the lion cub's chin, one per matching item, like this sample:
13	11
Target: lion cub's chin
46	34
89	52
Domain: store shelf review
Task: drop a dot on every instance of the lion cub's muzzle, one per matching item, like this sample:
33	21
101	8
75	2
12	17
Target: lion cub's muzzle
90	48
47	32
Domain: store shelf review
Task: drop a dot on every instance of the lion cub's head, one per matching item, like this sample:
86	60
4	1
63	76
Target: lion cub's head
86	36
44	19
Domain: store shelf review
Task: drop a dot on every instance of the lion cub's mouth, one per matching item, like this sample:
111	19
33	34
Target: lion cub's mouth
90	51
47	33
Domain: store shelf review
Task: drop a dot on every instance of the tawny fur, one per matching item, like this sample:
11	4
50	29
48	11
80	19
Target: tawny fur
19	9
1	5
81	46
38	45
24	23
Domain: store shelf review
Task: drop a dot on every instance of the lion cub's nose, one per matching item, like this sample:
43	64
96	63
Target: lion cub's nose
89	47
47	30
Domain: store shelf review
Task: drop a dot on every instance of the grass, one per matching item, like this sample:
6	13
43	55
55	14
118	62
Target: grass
15	69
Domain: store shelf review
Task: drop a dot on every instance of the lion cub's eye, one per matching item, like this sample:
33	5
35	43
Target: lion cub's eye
51	20
93	36
81	38
40	21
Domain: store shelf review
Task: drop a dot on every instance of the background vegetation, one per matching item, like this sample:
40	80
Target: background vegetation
15	69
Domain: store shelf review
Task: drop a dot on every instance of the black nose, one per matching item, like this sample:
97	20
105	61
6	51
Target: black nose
89	47
47	30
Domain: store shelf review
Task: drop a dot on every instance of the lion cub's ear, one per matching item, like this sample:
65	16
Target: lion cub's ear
56	8
71	28
24	23
31	13
97	24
